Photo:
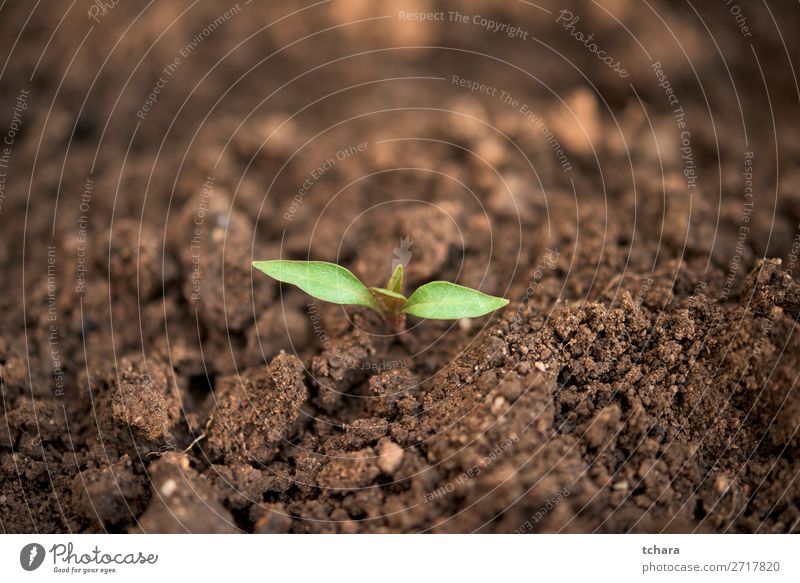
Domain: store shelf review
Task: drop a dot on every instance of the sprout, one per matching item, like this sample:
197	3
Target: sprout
437	300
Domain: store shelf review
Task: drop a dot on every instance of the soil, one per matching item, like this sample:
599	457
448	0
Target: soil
646	227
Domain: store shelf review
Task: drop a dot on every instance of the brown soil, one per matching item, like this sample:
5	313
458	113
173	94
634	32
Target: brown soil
642	379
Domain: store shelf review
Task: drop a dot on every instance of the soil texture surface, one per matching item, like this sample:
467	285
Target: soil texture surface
628	175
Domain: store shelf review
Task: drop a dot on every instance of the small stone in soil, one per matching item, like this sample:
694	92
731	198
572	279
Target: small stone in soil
390	457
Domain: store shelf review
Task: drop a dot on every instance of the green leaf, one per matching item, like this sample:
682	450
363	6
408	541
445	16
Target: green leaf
396	281
390	300
441	300
323	280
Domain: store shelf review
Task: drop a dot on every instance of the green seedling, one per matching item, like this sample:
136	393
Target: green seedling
437	300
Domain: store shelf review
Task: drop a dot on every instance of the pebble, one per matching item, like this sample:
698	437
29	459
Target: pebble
168	488
498	405
390	456
540	365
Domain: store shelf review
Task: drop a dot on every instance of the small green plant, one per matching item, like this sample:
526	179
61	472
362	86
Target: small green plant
437	300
